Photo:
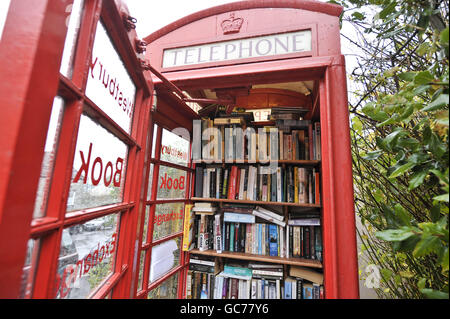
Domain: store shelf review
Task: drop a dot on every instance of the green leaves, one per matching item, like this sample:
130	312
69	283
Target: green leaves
434	294
395	234
423	77
400	170
417	179
401	153
438	103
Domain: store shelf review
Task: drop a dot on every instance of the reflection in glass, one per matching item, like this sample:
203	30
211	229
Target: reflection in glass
171	183
109	84
73	27
150	182
167	290
48	161
141	270
168	220
86	257
98	174
155	132
29	269
145	229
165	257
174	149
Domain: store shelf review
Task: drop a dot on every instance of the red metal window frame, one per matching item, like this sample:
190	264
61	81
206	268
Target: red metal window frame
152	203
45	33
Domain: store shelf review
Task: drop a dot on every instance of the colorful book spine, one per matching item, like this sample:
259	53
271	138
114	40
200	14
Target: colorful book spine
273	240
188	227
218	234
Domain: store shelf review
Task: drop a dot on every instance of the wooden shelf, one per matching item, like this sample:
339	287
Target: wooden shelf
246	162
270	259
252	202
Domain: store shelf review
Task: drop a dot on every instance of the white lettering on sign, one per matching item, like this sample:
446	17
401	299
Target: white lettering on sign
269	45
109	85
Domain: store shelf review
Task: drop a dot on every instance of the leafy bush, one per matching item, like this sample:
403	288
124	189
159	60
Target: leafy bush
400	141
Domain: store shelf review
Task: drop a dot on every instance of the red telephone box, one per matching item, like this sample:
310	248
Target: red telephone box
96	151
243	50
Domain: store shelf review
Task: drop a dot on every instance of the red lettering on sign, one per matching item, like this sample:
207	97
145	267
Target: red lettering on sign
112	87
167	182
97	168
162	218
84	265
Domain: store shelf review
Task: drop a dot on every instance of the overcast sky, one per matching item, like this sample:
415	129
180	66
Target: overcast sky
153	15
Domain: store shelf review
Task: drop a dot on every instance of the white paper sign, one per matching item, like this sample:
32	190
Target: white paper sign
109	85
270	45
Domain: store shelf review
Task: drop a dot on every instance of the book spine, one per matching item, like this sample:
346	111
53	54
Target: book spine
317	187
241	183
232	183
189	285
218	181
218	234
232	236
273	240
245	196
201	268
227	236
318	243
198	181
296	184
318	144
273	187
302	185
279	185
237	233
212	183
300	289
225	183
188	227
225	288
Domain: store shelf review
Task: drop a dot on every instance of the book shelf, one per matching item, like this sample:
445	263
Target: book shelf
298	162
254	257
253	202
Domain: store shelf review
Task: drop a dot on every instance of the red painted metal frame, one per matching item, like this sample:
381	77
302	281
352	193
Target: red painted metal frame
32	45
143	291
33	42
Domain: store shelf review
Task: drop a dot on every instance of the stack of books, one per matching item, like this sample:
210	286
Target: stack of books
200	277
303	283
304	237
230	139
251	281
291	184
267	280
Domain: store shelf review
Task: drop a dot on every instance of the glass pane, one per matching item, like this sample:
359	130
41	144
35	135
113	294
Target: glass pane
141	270
168	220
150	182
167	290
48	161
155	132
172	183
165	257
29	268
73	23
4	7
144	231
174	149
86	256
109	85
99	168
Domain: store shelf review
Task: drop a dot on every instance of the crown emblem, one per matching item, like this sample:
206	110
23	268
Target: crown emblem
232	25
